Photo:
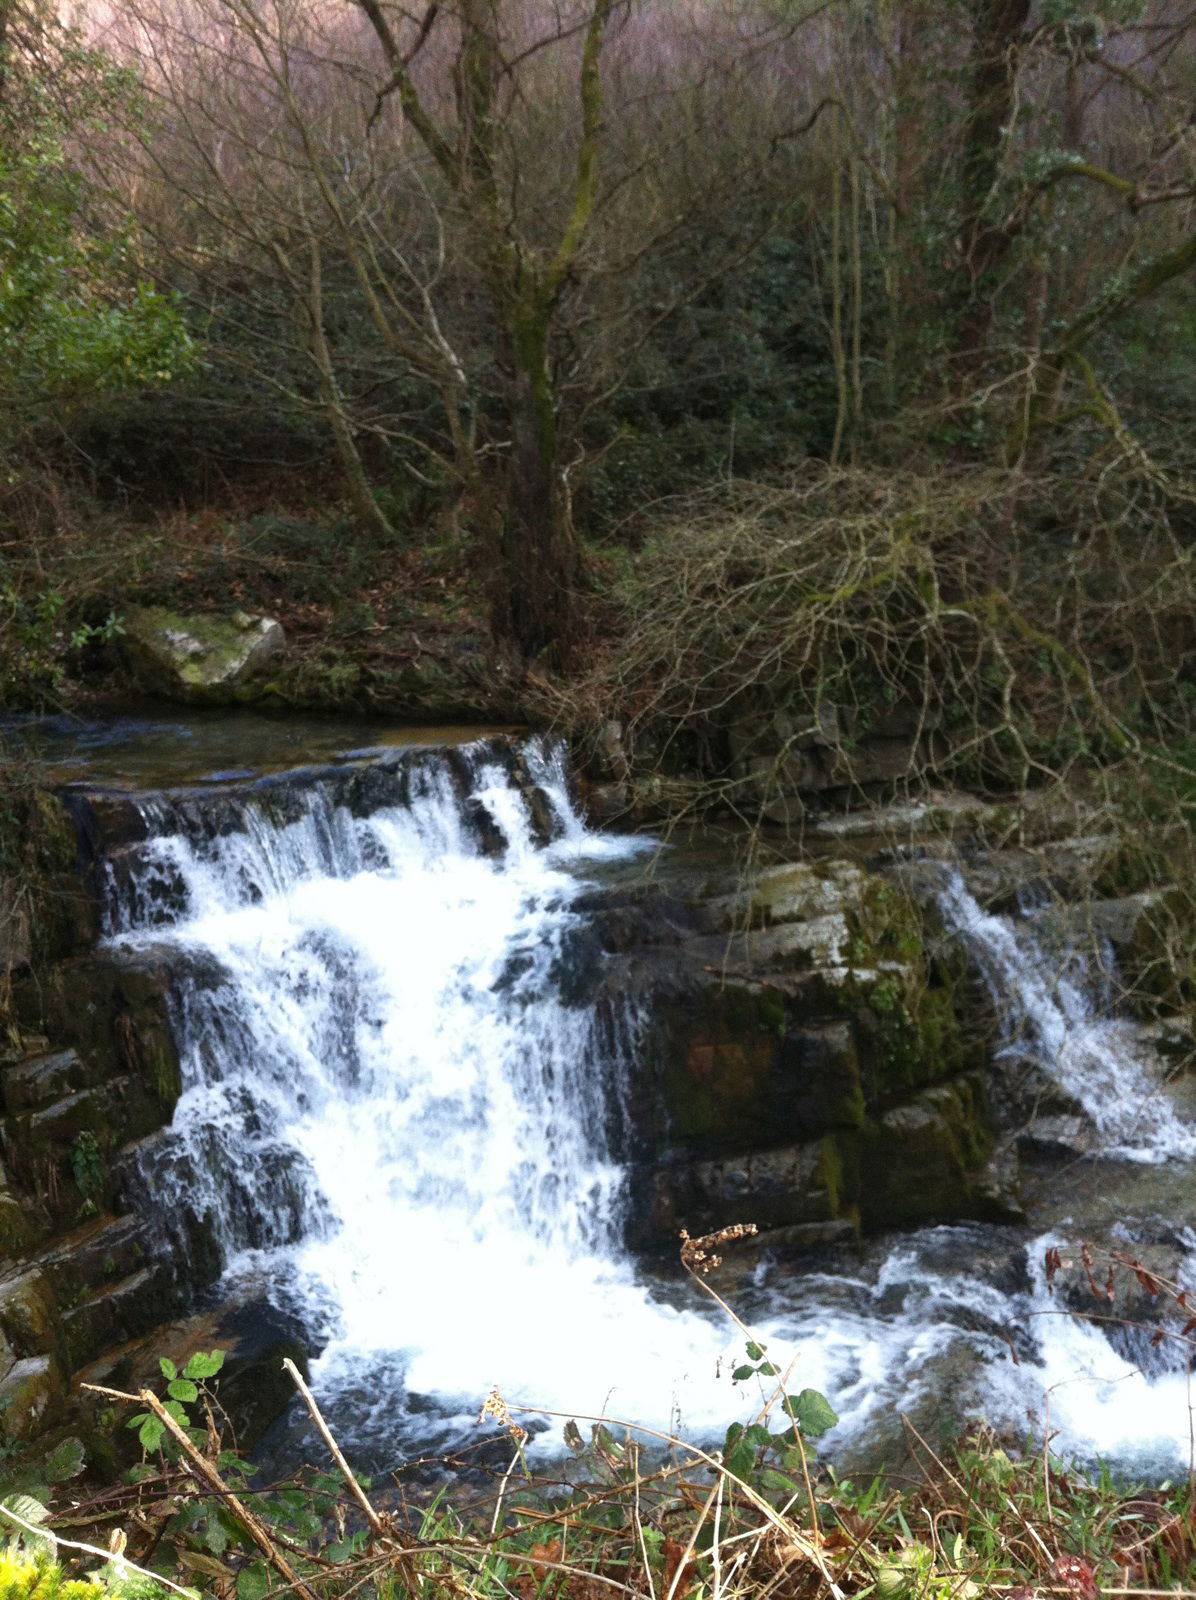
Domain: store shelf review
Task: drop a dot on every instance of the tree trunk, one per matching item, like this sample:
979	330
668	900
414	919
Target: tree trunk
997	30
541	566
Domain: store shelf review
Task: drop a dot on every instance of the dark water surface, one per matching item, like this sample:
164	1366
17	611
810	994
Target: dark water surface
156	747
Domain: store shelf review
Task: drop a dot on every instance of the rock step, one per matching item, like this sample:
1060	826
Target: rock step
41	1079
116	1313
113	1113
102	1252
17	1046
30	1397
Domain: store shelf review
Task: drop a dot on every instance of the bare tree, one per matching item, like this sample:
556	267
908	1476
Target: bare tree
426	226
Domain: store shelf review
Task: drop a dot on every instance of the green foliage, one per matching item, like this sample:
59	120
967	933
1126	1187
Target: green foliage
74	319
749	1453
87	1165
182	1390
79	315
66	1461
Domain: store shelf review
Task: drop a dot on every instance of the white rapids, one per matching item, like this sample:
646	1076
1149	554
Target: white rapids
405	1117
1048	1005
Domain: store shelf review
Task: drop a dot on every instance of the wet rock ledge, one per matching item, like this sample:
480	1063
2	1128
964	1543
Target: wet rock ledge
809	1061
88	1067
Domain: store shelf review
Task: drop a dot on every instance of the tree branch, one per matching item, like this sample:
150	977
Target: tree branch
401	83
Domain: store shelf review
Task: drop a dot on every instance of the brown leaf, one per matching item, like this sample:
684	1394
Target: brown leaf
1130	1564
674	1553
197	1561
529	1584
1077	1574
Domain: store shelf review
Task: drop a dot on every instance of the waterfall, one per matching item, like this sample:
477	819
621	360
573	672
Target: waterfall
404	1119
1052	1011
403	1107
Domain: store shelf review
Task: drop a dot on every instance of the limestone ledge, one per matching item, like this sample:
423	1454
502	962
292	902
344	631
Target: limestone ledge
813	1066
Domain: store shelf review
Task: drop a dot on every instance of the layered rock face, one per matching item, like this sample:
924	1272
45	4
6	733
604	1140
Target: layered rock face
80	1274
812	1072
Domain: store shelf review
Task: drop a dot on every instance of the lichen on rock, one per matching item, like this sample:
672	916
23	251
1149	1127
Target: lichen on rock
200	659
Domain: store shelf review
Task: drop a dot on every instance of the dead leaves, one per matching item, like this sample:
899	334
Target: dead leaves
1076	1574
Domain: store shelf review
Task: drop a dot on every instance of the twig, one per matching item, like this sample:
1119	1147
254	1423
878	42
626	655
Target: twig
94	1550
212	1478
376	1523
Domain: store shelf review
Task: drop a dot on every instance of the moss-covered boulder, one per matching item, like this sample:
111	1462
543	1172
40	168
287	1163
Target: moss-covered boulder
209	660
930	1159
811	1002
812	1064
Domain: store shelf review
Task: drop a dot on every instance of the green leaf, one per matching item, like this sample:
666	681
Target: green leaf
755	1351
742	1373
253	1583
182	1389
26	1507
758	1436
740	1461
197	1561
606	1441
201	1366
33	1511
169	1370
767	1370
150	1432
812	1413
216	1536
173	1409
777	1482
67	1460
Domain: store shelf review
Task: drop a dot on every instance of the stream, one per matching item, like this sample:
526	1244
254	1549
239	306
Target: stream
406	1124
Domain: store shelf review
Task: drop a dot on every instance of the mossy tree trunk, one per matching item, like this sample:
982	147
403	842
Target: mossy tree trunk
538	565
998	29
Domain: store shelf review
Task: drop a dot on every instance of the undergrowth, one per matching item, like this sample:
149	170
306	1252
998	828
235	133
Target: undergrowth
623	1511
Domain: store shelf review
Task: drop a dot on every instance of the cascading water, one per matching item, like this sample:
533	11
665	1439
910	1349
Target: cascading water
397	1112
404	1119
1048	1010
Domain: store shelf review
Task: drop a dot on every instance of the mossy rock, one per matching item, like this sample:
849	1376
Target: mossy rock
18	1230
115	1014
31	1398
28	1314
206	660
810	1182
46	909
927	1160
819	1083
720	1050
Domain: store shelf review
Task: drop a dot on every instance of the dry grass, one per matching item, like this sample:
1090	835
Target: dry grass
629	1512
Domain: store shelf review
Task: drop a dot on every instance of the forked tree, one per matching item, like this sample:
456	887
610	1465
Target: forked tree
453	204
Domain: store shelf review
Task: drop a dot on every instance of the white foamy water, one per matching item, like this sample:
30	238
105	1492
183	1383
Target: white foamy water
405	1116
1047	1006
395	1111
